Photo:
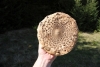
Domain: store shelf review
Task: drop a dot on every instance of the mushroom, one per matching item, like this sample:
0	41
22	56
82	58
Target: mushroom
57	33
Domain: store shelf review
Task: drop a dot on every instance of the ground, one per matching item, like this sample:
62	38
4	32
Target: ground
18	48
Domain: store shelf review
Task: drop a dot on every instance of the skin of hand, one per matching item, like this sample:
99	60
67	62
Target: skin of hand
47	56
44	59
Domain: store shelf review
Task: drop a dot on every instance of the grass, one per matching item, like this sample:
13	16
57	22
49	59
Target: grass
19	49
85	54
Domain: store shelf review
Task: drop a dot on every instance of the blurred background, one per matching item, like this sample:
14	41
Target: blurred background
18	37
17	14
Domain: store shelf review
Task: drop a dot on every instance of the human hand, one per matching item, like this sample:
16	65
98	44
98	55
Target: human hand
44	54
44	59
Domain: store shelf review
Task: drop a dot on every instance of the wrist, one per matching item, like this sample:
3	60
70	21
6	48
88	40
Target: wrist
42	62
45	59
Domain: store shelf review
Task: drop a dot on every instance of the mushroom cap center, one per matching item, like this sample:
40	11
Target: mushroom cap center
57	32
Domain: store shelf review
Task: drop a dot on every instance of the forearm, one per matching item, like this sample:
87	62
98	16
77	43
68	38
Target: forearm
42	62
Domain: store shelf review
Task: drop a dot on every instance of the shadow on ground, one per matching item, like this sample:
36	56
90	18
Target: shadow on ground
86	57
19	49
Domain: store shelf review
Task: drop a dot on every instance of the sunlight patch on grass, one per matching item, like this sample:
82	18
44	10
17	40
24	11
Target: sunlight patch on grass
91	36
88	40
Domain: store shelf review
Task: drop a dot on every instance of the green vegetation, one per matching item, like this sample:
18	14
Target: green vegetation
17	14
86	14
19	49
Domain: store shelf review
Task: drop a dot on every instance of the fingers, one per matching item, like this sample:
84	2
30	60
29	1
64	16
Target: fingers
42	52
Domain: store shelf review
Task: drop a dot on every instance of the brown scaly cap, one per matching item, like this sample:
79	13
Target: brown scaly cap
57	33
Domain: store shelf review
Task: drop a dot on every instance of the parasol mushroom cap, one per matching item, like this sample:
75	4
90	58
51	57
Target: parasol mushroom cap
57	33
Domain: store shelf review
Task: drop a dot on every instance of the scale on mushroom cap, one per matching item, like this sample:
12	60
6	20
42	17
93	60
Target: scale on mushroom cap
57	33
